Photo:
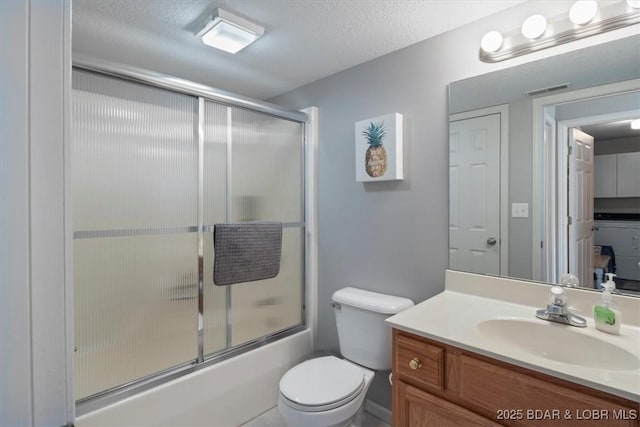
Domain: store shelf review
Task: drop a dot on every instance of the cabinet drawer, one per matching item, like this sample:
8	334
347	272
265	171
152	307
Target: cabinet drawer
419	409
419	362
492	388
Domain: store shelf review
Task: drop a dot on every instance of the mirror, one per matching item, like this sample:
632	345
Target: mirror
544	170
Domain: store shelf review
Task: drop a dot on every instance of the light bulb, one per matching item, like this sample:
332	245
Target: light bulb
635	124
634	3
491	42
534	26
583	11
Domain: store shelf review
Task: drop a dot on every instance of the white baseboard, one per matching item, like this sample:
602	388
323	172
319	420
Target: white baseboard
378	411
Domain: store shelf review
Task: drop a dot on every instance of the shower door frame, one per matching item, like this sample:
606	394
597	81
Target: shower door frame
308	225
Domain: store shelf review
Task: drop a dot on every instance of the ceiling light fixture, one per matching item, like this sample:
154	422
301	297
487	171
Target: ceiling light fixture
635	124
584	19
583	11
226	31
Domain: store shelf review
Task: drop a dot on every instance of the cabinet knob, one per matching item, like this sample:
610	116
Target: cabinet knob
415	363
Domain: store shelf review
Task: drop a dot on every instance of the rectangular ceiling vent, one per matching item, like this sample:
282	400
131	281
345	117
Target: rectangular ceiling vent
547	89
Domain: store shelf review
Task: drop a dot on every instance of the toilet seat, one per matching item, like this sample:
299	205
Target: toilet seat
321	384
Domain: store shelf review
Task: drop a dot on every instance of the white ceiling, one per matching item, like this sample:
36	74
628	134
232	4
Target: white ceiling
305	40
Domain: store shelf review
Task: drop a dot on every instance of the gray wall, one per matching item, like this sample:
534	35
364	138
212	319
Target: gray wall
520	188
390	237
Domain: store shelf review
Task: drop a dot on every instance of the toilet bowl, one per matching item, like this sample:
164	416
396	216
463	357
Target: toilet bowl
328	391
324	392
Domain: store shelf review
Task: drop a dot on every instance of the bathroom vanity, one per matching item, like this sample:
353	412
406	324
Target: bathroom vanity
476	356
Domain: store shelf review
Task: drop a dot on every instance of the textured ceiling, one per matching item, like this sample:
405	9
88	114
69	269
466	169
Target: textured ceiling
305	40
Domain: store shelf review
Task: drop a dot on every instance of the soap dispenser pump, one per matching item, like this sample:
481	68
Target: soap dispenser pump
606	314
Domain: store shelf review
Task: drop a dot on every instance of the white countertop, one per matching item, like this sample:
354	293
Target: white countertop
451	317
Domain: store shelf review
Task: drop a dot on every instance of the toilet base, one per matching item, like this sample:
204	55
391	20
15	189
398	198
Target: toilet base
332	418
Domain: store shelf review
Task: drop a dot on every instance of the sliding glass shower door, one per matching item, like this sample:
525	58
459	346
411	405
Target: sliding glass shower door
152	171
267	185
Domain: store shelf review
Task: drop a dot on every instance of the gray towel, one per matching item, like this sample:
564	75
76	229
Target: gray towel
246	251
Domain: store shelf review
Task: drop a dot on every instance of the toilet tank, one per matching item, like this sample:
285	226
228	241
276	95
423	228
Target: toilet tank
363	336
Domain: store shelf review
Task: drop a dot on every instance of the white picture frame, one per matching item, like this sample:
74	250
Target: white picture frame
378	144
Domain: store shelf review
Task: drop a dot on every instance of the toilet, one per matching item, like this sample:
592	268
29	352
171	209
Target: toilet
329	391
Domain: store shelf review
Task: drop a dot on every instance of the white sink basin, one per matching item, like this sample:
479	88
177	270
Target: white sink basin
560	343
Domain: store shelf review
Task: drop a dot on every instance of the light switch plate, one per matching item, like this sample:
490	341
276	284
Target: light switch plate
519	210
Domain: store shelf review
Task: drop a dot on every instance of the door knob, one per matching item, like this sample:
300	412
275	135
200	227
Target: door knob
491	241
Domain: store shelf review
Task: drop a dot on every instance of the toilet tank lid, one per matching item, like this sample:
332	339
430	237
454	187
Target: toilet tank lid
371	301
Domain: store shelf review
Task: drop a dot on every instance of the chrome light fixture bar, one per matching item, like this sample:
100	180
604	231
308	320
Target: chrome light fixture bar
559	30
225	31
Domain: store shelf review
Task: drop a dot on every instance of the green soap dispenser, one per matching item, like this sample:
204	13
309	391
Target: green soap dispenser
606	314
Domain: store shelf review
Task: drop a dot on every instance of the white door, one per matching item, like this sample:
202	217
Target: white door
580	199
474	193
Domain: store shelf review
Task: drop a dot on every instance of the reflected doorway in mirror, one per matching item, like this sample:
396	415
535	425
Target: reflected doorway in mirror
475	238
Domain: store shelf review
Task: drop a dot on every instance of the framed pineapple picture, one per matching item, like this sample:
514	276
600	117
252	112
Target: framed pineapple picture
379	148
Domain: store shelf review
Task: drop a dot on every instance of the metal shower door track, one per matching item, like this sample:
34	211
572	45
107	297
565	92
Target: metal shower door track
186	87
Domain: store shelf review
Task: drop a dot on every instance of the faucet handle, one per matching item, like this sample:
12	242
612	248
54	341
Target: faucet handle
569	280
557	296
557	311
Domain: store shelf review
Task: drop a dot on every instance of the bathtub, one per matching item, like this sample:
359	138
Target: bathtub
228	393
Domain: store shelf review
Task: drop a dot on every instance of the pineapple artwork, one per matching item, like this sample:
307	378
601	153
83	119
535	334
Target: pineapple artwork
376	157
378	144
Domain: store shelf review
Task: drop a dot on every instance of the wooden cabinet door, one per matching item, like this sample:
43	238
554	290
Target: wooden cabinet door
415	408
490	388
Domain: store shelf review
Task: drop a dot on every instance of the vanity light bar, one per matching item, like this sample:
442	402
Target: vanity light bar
561	29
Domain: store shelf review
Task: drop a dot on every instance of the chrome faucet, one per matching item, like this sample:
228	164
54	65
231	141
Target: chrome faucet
557	311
